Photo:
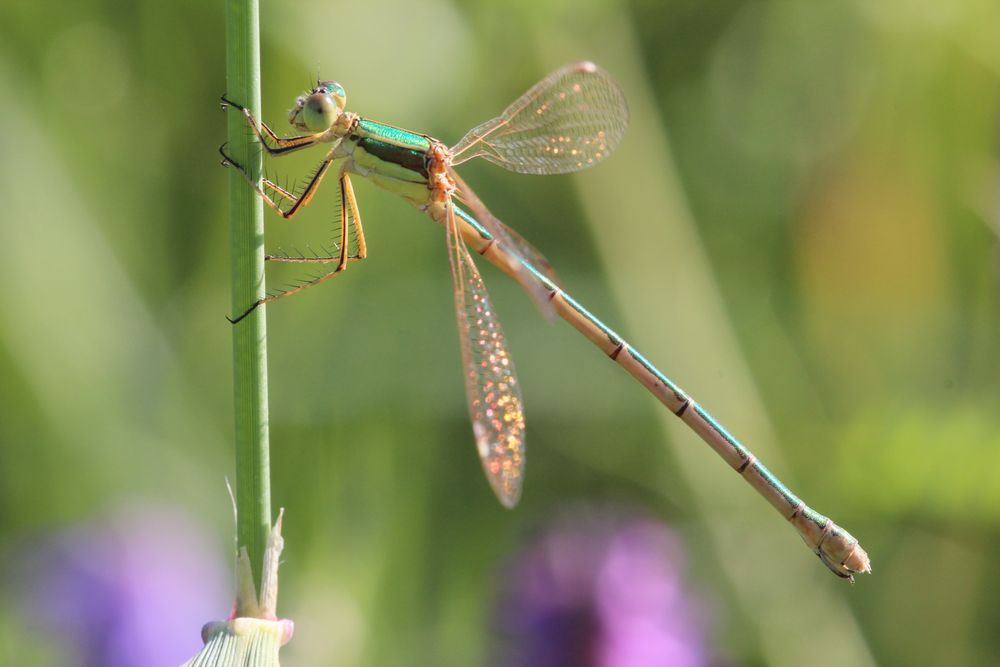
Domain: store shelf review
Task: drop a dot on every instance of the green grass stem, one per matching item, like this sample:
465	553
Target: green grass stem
246	222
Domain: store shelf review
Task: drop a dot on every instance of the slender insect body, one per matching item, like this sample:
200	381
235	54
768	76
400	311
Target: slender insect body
570	120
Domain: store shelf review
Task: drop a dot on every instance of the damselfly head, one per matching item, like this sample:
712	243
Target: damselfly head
318	109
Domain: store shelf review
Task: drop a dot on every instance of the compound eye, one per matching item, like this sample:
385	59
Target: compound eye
319	112
335	89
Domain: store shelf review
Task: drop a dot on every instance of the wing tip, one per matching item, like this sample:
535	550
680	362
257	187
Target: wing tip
509	502
507	490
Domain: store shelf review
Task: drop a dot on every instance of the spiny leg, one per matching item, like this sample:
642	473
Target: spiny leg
349	207
317	259
347	201
285	146
341	265
268	183
282	192
271	185
297	202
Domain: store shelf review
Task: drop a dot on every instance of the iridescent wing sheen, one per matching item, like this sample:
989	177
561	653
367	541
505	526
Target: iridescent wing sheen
507	236
511	242
491	386
570	120
527	251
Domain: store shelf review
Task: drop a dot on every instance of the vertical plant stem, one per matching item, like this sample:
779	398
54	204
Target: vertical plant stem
246	222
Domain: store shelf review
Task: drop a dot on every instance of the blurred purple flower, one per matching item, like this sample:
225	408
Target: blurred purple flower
597	590
131	590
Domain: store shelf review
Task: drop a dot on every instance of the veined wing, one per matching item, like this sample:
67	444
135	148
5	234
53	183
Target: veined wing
511	241
491	386
570	120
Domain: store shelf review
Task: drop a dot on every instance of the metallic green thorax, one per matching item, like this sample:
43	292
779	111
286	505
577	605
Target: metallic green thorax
407	158
392	158
396	136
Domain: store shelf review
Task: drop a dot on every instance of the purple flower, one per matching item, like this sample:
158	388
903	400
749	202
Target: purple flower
600	590
132	590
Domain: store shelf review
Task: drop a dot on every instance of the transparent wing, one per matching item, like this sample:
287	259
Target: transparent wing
570	120
514	243
491	386
529	252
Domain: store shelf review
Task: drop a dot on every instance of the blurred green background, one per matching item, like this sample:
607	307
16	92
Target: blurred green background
800	228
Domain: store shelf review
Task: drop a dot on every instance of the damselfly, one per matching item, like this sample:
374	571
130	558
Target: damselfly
570	120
